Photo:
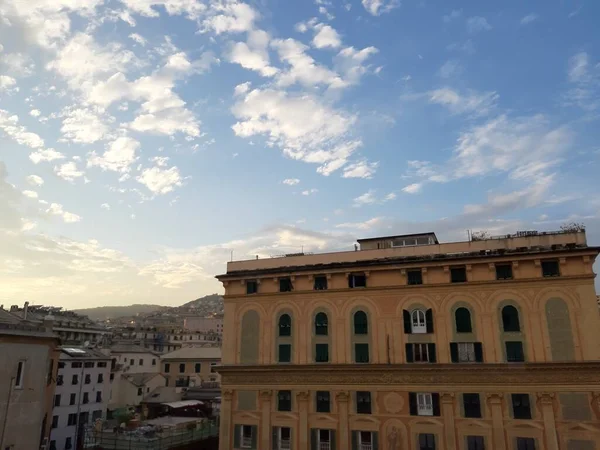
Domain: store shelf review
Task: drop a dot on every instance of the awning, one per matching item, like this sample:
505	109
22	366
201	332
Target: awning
183	403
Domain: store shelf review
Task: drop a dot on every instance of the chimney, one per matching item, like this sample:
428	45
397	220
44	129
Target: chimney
25	309
14	308
49	322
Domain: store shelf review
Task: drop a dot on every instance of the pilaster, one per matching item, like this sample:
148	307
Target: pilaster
265	422
343	399
225	427
447	401
302	398
495	402
546	401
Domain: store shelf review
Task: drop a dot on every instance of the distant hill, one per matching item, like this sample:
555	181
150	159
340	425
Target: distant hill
207	299
112	312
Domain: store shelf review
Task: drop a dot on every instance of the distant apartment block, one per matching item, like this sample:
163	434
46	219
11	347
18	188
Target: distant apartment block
28	364
81	395
204	324
190	366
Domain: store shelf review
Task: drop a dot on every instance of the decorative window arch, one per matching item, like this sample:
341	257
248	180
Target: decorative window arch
361	322
463	320
418	321
285	325
510	319
321	324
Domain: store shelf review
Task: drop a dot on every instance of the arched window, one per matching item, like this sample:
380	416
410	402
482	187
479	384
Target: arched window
285	325
321	324
463	320
510	318
361	325
418	323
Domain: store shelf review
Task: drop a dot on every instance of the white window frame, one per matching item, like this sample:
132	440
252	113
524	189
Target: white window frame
418	322
365	445
466	352
324	445
20	375
281	444
245	442
424	404
423	352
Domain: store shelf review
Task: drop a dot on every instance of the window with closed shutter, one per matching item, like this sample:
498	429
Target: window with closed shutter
323	401
472	405
521	406
361	353
322	353
525	443
363	402
426	441
514	351
475	443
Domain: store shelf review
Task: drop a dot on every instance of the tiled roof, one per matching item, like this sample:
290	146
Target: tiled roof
194	353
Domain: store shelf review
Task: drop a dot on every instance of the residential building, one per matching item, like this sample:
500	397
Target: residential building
189	366
133	388
204	324
73	329
408	343
29	355
134	358
81	396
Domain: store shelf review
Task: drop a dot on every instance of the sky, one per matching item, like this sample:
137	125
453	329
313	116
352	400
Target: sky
144	143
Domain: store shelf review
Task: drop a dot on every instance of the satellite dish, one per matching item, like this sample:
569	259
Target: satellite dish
86	344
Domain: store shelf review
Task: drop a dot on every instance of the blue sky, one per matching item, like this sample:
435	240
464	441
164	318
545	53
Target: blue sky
144	141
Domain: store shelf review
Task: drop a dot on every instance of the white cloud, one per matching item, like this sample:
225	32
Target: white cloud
160	161
303	127
56	209
84	125
469	102
360	169
8	84
138	38
389	197
242	88
229	16
413	188
119	155
310	191
455	14
9	125
34	180
18	64
578	67
105	206
378	7
253	54
326	37
68	171
150	8
351	63
477	24
585	83
365	199
30	194
35	113
529	18
291	181
160	181
366	225
48	154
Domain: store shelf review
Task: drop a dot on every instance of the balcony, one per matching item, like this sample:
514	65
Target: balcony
284	444
324	445
246	442
365	447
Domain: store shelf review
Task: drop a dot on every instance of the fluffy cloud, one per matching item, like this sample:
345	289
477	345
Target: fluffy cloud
303	127
229	16
84	125
56	209
584	79
477	24
48	154
8	84
151	8
291	181
378	7
119	155
18	64
326	36
366	225
9	124
412	188
30	194
34	180
528	19
310	191
361	169
159	180
365	199
68	171
138	38
253	54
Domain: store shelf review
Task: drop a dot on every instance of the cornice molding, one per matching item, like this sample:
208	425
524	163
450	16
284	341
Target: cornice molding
528	374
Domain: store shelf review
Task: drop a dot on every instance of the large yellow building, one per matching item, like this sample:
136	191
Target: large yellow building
407	343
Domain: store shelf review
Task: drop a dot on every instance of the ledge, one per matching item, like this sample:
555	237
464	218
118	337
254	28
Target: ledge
433	375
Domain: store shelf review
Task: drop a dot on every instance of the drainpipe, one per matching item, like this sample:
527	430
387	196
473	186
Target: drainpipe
12	381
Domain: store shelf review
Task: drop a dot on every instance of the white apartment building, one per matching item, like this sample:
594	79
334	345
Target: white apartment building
81	396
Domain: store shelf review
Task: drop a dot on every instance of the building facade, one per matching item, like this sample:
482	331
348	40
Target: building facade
412	344
190	366
204	324
29	356
81	396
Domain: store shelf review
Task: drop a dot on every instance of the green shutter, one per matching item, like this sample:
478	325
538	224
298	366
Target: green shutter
254	437
333	444
274	440
375	436
237	432
313	439
355	440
